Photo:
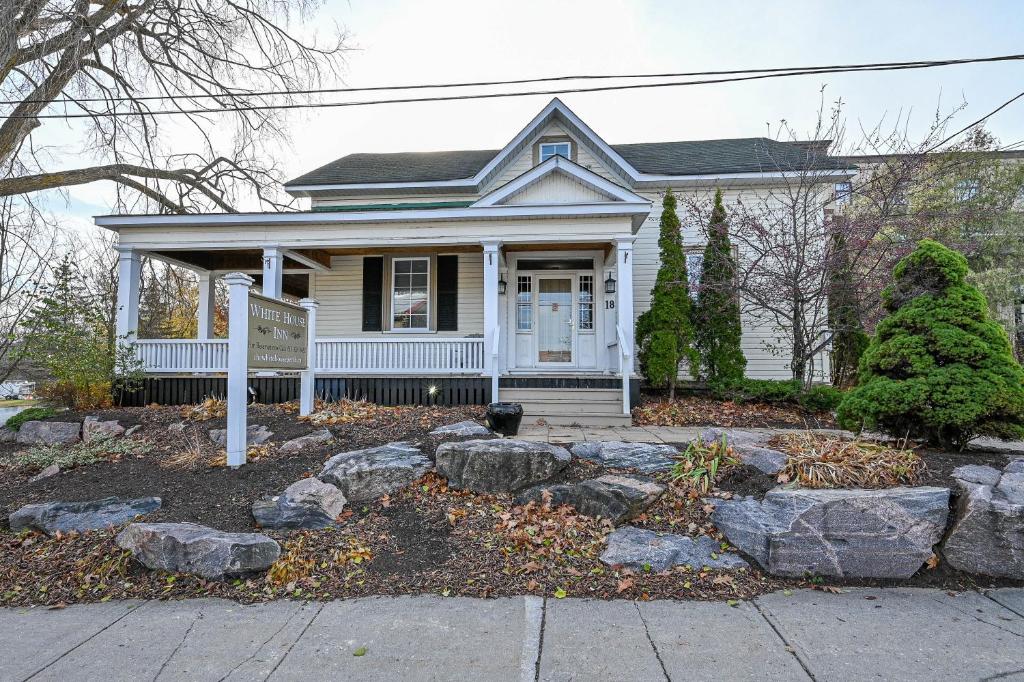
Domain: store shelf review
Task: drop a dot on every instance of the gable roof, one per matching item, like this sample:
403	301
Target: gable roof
634	163
562	166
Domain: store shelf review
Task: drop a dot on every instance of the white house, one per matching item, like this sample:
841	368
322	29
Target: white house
460	276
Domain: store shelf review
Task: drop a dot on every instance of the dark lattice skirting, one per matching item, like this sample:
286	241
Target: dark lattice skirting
380	390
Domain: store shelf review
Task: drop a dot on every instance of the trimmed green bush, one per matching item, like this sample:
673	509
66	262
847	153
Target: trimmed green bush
938	368
822	398
758	390
31	414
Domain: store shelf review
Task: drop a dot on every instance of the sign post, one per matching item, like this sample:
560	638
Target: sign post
307	380
263	333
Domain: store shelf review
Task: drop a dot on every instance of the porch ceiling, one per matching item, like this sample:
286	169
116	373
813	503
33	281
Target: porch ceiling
240	259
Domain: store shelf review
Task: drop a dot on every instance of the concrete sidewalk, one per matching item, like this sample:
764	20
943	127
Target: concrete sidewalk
895	634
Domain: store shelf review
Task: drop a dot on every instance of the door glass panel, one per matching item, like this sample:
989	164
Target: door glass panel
554	320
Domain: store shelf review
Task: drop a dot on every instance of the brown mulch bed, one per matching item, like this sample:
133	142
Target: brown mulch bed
696	411
422	539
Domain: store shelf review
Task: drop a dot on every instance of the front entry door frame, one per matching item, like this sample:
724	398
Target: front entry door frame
573	323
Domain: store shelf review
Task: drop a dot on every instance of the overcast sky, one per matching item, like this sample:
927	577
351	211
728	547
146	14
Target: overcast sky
402	42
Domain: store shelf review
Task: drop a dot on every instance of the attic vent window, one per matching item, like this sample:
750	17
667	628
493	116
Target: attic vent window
549	149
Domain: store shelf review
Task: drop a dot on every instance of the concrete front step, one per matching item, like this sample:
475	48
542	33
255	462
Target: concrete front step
592	420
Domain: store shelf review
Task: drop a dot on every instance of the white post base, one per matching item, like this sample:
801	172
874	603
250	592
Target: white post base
238	366
307	379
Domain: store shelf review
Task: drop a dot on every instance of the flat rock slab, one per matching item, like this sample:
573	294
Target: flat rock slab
646	457
642	549
65	517
369	474
255	434
310	441
616	498
49	433
463	428
309	503
987	535
733	437
93	429
898	634
500	465
191	548
765	460
848	533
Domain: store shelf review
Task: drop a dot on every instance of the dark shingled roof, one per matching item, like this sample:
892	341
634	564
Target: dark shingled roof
695	157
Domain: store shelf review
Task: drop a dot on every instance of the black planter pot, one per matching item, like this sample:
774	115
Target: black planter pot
504	418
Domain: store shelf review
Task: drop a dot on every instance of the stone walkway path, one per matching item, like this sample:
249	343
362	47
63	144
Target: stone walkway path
896	634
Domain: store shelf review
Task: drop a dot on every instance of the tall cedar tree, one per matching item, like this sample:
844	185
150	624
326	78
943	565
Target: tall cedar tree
665	332
716	316
849	340
938	367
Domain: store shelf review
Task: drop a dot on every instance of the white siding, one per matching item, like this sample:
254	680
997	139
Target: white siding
524	161
340	293
556	188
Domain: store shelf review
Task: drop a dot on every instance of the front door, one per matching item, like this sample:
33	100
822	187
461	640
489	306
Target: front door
554	320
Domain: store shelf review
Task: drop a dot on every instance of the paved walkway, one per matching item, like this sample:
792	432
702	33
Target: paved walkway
860	634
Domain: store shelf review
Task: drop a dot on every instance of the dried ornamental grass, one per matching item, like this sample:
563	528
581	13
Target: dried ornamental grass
818	461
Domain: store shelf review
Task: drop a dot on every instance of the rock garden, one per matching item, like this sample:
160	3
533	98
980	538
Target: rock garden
359	499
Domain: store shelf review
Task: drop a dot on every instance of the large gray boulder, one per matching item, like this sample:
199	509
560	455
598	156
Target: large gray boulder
646	457
766	460
93	429
49	433
987	535
733	437
616	498
51	517
462	429
643	549
500	465
310	441
363	475
309	503
849	533
255	434
191	548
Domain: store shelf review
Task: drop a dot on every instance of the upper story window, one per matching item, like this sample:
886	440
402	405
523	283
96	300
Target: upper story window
843	192
965	190
549	149
410	293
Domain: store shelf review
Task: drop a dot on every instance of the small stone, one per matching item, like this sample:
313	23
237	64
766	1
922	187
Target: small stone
191	548
51	470
977	473
464	428
310	441
255	434
178	427
733	437
646	457
616	498
309	503
51	517
644	550
49	433
765	460
1015	467
8	435
132	430
369	474
500	465
845	533
93	429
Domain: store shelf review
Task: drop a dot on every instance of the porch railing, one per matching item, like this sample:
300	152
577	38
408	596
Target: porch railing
363	356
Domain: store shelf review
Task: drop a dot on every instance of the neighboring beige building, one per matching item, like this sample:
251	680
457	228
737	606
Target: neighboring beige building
518	272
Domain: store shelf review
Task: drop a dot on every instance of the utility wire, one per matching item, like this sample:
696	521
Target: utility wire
556	91
547	79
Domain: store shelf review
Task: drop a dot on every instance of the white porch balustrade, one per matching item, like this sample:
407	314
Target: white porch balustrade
353	355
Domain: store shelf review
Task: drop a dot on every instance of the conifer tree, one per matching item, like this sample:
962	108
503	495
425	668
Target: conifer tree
716	316
938	367
665	332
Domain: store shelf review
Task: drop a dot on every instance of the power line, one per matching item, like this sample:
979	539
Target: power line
896	66
546	79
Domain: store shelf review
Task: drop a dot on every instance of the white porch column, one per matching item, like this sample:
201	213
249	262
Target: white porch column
207	305
273	269
307	379
624	305
129	266
492	330
238	365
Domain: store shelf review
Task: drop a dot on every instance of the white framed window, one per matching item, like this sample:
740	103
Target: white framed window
586	303
549	149
524	303
843	192
694	266
966	190
410	294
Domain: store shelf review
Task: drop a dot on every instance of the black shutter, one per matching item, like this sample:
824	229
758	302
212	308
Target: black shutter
447	293
373	293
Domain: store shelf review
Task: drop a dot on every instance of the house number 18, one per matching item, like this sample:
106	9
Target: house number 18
609	304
